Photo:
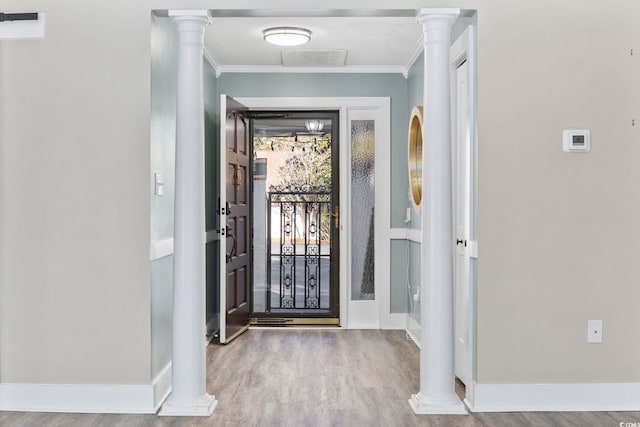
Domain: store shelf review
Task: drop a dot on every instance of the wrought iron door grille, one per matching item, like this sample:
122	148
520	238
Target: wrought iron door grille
298	251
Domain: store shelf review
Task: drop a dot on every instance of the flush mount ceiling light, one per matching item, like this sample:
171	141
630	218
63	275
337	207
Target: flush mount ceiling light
287	36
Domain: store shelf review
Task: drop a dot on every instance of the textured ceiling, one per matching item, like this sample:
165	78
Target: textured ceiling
236	42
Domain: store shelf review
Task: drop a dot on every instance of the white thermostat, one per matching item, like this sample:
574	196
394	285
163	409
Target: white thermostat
576	141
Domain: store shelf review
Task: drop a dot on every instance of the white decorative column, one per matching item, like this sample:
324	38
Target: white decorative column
188	395
437	384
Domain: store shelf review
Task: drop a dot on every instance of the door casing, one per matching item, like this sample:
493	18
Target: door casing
386	320
462	51
324	318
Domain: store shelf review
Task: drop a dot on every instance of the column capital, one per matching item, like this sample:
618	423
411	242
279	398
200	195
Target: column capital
193	15
189	12
426	15
190	25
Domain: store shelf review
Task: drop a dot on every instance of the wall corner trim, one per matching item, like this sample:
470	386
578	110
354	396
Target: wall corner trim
553	397
160	249
81	398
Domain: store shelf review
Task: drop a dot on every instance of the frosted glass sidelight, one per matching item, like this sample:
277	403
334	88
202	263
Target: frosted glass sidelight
362	209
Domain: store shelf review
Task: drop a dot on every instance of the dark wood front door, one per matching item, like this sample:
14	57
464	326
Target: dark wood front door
235	220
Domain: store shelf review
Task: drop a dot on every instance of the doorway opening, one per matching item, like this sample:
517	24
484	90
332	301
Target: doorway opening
295	217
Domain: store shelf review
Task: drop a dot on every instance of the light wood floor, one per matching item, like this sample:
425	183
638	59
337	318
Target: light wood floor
311	377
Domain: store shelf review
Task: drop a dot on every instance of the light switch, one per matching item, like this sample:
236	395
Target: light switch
159	184
594	331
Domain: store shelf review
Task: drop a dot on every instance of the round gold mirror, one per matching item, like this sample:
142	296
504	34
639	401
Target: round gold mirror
415	157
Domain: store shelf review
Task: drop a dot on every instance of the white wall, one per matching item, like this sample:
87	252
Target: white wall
75	198
558	233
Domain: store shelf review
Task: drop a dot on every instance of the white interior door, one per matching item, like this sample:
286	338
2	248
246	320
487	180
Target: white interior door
462	288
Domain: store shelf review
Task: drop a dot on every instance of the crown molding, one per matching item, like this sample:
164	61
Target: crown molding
364	69
415	53
211	61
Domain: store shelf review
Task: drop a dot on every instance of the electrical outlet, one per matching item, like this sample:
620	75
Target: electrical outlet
594	331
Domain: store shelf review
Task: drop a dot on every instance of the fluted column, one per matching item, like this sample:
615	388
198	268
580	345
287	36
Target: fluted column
188	395
437	385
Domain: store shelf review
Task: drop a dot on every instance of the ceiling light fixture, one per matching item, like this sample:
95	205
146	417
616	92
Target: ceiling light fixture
287	36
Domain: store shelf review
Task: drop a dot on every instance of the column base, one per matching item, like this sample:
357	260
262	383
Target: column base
200	407
422	404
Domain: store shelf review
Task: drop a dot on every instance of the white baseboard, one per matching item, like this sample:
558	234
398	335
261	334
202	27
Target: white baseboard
412	328
411	234
393	321
85	398
553	397
161	387
361	314
162	248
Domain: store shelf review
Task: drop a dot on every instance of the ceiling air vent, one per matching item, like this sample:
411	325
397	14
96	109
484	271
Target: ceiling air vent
314	58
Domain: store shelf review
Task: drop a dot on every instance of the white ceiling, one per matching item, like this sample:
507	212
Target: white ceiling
374	43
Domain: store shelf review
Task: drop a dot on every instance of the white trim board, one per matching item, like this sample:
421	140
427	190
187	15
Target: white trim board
411	234
88	398
162	387
412	325
553	397
160	249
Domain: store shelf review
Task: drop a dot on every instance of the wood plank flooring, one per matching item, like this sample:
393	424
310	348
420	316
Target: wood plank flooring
317	377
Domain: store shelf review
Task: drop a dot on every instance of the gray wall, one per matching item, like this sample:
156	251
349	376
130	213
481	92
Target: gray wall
317	85
415	97
164	69
212	170
163	140
164	74
313	85
211	129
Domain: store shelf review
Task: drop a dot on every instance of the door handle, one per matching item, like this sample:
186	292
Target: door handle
234	247
336	216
